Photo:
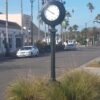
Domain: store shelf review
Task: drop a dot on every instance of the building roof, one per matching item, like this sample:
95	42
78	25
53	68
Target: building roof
10	24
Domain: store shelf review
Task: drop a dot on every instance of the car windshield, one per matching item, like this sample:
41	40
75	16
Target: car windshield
71	44
26	48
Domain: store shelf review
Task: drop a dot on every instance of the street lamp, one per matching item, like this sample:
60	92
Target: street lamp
7	36
32	39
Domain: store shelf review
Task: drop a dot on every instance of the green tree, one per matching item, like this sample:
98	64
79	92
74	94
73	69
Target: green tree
82	36
75	28
90	7
64	25
68	15
70	29
97	18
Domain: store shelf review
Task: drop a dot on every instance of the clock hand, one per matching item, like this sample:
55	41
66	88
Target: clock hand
51	12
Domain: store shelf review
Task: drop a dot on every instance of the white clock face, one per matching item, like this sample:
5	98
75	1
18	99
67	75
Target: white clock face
52	13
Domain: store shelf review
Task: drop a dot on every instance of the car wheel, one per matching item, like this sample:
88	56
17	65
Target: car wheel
32	54
37	54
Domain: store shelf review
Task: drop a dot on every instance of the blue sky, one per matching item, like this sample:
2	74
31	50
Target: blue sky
80	16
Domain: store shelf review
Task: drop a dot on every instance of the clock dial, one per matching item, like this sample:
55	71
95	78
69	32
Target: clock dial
52	13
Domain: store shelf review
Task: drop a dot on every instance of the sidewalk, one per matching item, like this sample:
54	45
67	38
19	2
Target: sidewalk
94	70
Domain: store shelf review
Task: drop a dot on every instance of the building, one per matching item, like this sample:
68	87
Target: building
24	21
15	36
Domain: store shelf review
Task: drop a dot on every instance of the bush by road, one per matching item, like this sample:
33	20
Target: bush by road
76	85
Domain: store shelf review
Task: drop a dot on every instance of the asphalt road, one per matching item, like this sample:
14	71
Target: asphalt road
40	66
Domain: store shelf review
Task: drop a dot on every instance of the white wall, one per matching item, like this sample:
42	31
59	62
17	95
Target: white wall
12	34
18	19
2	49
12	17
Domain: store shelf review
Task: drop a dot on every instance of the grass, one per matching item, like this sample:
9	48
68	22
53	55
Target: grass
25	88
76	85
80	85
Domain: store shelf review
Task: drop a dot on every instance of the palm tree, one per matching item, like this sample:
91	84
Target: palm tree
32	37
39	16
38	20
64	25
75	28
68	15
7	34
97	18
90	7
70	31
73	11
84	33
21	11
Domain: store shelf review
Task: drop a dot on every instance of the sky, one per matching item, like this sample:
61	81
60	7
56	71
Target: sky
80	17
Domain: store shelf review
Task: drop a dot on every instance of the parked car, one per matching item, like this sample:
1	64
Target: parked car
70	47
27	51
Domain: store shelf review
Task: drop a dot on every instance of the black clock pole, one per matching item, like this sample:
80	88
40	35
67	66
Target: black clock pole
53	74
57	16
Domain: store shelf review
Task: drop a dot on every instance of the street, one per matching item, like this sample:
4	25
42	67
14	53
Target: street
40	66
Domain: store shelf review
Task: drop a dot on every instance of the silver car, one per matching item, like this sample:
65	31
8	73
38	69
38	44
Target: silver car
70	47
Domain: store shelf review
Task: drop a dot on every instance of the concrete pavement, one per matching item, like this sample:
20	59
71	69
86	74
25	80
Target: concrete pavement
94	70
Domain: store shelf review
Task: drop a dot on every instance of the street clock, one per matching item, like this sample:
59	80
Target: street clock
53	13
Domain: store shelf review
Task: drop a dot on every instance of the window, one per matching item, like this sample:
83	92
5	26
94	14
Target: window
10	42
18	42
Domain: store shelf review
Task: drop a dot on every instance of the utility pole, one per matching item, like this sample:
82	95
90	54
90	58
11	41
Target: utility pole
32	37
7	34
22	21
22	15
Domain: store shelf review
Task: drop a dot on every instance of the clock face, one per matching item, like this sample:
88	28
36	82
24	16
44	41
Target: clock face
52	13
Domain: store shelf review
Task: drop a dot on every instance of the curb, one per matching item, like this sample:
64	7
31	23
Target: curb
93	70
6	58
84	65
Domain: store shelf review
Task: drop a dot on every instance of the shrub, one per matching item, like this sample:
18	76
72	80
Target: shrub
76	85
59	47
30	89
25	89
43	47
54	91
80	85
